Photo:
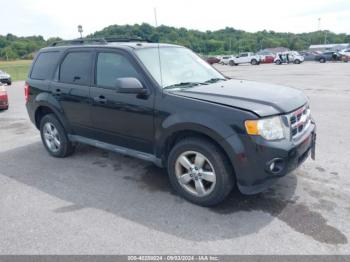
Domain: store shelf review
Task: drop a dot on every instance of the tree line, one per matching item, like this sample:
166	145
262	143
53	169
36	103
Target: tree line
14	47
224	41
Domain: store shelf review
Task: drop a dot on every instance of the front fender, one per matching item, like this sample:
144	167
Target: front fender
202	123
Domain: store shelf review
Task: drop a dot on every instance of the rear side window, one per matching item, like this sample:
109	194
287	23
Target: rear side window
44	65
75	68
111	66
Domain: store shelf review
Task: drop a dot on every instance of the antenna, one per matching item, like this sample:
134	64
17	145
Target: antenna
160	61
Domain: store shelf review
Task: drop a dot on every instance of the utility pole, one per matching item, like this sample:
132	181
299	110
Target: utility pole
319	24
319	29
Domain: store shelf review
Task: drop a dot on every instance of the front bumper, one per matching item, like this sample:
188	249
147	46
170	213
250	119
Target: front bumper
252	164
6	81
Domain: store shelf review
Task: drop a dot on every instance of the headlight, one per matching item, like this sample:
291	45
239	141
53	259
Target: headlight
269	128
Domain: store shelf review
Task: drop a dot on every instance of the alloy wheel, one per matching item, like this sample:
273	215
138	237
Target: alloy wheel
195	173
51	137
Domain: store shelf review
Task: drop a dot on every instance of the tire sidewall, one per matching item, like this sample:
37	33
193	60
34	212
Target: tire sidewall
217	195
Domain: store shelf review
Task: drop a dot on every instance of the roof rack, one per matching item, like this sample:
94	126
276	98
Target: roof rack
101	41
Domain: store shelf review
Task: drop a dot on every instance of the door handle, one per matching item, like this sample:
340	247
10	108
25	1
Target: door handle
57	92
100	99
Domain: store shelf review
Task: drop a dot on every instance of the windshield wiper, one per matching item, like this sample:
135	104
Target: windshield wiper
214	80
183	85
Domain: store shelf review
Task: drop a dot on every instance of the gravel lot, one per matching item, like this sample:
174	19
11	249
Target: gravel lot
97	202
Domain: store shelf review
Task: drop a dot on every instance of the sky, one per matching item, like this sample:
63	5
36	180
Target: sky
61	18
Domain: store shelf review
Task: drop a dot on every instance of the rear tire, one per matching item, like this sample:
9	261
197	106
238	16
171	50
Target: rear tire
278	62
322	60
54	137
231	63
254	62
206	178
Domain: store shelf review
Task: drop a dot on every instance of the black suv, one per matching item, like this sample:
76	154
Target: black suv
164	104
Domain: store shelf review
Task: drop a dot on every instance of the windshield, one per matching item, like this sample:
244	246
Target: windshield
180	67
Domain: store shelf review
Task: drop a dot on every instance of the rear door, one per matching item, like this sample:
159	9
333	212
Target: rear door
119	118
72	88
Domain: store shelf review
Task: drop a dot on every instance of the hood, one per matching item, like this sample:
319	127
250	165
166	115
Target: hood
259	98
3	74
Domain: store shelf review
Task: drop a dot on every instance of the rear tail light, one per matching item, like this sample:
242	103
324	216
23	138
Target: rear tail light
3	94
26	92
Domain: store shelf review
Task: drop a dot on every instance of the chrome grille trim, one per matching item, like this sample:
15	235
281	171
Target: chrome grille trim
299	121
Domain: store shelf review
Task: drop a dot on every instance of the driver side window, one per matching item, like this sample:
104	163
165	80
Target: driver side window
111	66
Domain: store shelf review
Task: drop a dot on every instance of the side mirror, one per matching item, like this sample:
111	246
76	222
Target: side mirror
129	85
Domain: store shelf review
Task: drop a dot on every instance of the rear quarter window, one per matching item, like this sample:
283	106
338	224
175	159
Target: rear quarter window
44	65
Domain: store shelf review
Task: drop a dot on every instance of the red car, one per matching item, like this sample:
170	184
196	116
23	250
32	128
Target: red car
346	58
267	59
3	98
213	60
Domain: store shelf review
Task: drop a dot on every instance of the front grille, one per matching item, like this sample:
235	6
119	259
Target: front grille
299	121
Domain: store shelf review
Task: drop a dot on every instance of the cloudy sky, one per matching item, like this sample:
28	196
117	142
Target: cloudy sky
60	18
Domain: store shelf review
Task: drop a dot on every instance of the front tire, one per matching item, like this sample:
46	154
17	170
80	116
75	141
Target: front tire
54	137
322	60
254	62
297	61
231	63
278	62
200	172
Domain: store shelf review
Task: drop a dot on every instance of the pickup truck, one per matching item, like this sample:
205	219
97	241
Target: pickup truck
245	58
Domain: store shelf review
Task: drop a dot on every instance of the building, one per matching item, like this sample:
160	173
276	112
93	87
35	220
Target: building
330	47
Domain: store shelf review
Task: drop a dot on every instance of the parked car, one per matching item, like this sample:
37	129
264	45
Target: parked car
5	78
210	132
225	60
213	60
309	56
345	51
245	58
289	57
346	58
266	57
328	56
4	104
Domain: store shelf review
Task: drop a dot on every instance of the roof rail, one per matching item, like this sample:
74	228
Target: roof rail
101	41
111	39
80	41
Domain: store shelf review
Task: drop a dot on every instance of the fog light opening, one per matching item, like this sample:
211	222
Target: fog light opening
275	166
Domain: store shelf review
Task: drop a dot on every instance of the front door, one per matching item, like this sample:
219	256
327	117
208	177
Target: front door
119	118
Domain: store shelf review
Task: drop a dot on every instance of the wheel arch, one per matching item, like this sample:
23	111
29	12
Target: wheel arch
46	104
215	133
